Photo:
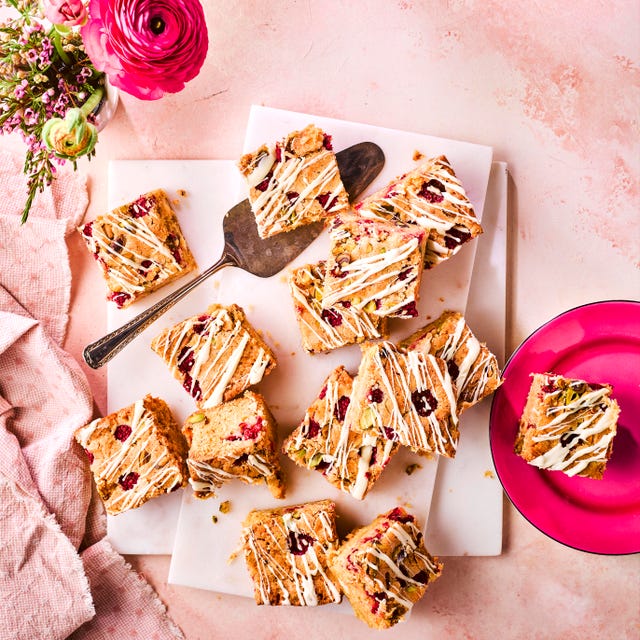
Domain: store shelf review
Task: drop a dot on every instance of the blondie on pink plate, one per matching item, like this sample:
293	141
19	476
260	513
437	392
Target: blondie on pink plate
598	342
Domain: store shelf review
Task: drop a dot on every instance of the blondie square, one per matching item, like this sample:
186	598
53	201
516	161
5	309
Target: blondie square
384	568
568	425
326	329
350	460
375	265
433	197
215	355
235	439
135	454
473	368
406	397
286	554
294	182
139	247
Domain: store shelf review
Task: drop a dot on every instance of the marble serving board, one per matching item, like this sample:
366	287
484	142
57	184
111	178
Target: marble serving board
299	376
212	187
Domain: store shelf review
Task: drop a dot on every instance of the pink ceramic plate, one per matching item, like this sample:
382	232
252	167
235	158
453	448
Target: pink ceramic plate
598	342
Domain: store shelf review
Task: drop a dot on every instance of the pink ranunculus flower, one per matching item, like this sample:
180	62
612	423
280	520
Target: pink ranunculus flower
69	13
147	47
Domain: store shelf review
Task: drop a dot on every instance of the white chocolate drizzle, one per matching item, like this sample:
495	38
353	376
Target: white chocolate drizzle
356	324
398	376
125	459
589	414
277	564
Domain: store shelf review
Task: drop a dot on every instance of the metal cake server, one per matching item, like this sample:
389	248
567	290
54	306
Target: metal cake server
243	248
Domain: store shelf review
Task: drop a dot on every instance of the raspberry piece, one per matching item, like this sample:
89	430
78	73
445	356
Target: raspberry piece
375	395
251	431
264	185
399	515
89	455
455	237
409	310
87	230
128	480
454	370
299	543
192	387
327	142
119	297
314	428
292	196
139	208
332	317
323	393
122	432
341	408
186	360
390	433
432	191
424	402
326	201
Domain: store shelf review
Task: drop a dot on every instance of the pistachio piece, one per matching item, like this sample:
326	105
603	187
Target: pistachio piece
196	417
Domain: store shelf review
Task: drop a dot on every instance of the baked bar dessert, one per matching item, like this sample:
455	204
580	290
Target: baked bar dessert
350	460
135	454
235	439
294	182
139	247
215	355
286	553
375	265
473	368
433	197
568	425
406	397
384	568
326	329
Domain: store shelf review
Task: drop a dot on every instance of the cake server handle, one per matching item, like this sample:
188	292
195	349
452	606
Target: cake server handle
101	351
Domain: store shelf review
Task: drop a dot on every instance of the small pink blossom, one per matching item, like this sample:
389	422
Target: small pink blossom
20	91
147	47
69	13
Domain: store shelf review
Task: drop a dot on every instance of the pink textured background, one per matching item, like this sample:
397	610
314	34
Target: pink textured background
554	88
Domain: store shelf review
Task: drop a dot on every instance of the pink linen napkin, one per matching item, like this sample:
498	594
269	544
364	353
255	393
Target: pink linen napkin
59	576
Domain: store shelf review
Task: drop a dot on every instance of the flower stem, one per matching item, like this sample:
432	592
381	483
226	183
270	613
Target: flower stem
57	43
92	102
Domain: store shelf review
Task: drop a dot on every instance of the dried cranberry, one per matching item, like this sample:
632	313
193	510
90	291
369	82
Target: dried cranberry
332	317
313	429
278	153
186	360
128	480
122	432
119	297
292	196
346	304
424	401
299	543
341	408
374	456
432	191
192	387
264	185
375	395
327	142
89	455
251	431
400	515
323	393
87	230
326	201
453	368
337	272
550	387
455	237
409	310
145	264
233	438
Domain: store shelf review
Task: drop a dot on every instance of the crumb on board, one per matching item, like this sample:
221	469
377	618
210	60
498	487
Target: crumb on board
225	506
411	468
182	193
175	201
214	518
283	279
293	353
489	474
429	455
428	316
441	299
417	155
